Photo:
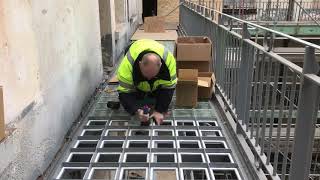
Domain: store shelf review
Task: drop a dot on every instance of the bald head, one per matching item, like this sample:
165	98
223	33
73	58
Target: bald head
150	65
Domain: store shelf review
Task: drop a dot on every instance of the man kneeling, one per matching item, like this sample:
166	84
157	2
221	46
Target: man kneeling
147	72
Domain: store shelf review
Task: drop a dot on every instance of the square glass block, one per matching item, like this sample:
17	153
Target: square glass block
222	174
76	157
164	158
72	173
107	174
130	157
195	174
86	144
117	132
163	144
164	174
112	144
108	158
134	174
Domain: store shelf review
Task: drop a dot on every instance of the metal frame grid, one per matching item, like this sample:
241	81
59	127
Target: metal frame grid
109	147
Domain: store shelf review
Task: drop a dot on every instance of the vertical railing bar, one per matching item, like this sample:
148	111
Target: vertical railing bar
266	104
280	118
230	72
235	73
238	67
234	87
255	89
227	67
259	101
289	123
249	89
273	102
218	56
225	59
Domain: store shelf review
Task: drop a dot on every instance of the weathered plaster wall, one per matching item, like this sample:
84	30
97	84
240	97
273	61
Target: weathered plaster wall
50	55
119	20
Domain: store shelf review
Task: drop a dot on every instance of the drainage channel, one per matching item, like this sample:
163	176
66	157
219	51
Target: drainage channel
189	145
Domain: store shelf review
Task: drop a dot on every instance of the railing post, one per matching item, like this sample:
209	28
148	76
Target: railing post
306	119
245	74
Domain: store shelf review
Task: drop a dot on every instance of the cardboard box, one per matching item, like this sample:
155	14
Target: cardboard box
206	83
187	88
193	48
202	66
154	24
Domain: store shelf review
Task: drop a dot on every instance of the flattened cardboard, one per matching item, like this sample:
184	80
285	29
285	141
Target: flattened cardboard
193	48
2	123
187	88
206	83
168	35
154	24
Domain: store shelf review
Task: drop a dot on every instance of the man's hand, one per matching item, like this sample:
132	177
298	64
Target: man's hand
143	117
158	117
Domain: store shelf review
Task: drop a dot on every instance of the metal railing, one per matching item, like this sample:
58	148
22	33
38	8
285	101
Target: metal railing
268	10
274	102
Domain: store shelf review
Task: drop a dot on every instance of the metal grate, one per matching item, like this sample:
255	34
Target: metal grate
189	145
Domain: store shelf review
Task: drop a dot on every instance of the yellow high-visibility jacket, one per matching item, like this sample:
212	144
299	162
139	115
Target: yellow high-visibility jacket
125	70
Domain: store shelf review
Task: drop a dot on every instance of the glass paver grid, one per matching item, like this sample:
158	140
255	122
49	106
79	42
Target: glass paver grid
190	145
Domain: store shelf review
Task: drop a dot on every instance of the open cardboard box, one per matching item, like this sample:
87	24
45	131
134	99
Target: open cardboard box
206	83
202	66
193	48
187	88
